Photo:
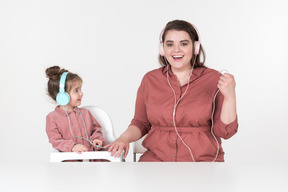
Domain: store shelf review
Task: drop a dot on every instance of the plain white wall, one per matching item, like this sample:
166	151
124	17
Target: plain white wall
112	44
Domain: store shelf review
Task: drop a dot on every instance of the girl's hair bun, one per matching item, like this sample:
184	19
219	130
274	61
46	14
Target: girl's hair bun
54	72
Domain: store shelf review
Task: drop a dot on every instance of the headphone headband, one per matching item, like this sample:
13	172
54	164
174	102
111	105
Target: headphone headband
199	39
62	82
62	97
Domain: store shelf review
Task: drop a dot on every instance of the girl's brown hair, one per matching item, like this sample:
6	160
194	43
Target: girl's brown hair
54	74
181	25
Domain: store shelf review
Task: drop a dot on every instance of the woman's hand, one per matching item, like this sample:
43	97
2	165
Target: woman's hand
118	146
132	134
98	143
226	85
79	148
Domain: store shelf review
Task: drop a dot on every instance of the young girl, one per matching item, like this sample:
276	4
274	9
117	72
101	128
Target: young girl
68	127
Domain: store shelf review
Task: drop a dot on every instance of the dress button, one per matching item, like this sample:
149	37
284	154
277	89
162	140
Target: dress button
173	155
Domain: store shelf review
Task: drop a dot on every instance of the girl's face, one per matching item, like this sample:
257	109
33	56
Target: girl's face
76	94
178	49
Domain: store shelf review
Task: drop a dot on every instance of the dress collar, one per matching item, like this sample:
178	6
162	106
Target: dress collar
196	71
61	111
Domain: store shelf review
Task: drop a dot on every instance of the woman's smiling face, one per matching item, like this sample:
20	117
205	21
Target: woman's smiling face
178	49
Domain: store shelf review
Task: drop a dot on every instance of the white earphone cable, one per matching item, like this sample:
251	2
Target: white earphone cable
212	125
174	112
177	102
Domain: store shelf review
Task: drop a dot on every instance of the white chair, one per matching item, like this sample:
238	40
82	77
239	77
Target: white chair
108	134
138	149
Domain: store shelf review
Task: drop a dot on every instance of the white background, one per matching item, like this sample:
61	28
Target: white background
112	44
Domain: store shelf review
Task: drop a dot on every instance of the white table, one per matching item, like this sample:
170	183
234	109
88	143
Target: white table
88	177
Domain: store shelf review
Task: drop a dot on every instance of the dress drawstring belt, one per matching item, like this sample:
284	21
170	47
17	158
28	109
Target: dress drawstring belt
184	129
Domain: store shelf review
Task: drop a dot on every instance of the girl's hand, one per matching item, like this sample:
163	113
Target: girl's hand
79	148
118	146
97	142
226	85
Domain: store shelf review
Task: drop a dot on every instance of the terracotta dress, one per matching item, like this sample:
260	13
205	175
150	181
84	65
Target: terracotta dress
153	116
59	134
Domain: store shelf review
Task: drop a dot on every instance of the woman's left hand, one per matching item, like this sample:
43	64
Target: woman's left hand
226	85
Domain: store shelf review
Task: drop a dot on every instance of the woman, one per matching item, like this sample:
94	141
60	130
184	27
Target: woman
184	107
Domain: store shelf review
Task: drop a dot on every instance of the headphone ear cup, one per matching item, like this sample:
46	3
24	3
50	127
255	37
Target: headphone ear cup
63	98
161	50
196	47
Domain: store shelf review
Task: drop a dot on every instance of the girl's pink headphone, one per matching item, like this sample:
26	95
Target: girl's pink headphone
196	43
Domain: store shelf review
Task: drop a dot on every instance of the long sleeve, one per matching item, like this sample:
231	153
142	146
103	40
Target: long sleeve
55	137
140	119
221	129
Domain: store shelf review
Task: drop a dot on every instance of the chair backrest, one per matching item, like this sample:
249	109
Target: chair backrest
104	120
138	149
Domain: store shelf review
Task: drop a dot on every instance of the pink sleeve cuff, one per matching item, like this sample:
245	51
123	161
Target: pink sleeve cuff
226	131
144	129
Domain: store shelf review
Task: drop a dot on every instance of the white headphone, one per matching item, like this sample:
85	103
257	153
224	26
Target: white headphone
174	113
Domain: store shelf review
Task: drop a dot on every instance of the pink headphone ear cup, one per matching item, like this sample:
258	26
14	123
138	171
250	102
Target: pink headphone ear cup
161	50
196	47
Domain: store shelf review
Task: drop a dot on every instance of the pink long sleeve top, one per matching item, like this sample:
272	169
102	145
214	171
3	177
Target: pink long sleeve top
59	134
153	116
